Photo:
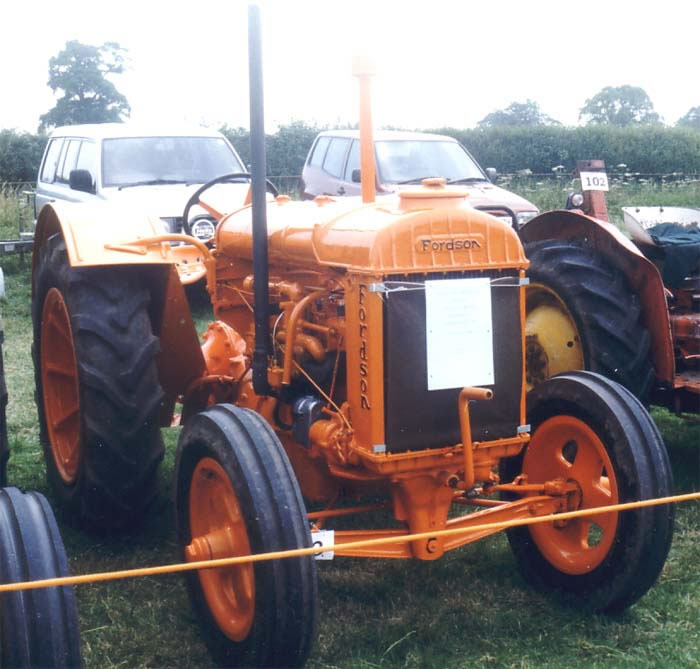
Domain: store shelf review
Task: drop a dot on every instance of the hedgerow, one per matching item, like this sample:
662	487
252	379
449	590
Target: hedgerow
642	149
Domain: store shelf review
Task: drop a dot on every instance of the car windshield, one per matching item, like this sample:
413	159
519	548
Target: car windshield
131	161
415	159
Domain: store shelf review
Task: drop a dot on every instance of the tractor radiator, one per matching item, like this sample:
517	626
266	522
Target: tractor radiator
416	418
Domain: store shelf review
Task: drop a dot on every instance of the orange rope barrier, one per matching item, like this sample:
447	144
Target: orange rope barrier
278	555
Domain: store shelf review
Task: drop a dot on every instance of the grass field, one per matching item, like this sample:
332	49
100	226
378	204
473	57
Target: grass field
470	608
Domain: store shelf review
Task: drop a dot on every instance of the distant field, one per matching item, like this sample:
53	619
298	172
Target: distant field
470	608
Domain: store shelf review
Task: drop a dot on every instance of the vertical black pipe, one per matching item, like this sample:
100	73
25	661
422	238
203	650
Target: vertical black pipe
258	176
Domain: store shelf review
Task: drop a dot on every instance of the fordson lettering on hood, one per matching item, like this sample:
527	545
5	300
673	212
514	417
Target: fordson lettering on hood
433	244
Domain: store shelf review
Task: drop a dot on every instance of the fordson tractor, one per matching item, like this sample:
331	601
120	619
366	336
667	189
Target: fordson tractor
364	356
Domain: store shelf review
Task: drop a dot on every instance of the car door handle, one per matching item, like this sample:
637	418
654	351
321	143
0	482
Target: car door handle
341	190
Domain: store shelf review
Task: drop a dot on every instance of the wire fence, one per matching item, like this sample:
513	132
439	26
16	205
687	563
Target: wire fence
290	184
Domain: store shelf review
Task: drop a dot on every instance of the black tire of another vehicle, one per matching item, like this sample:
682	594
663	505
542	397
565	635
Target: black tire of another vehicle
606	311
38	628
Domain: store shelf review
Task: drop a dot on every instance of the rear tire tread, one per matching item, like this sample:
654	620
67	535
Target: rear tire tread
120	396
607	312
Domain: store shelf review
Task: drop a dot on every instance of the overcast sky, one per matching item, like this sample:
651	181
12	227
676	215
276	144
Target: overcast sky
439	63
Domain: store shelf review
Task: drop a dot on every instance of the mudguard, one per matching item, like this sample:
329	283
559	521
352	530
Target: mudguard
100	233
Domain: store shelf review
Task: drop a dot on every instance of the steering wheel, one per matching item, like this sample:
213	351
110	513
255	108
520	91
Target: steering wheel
230	178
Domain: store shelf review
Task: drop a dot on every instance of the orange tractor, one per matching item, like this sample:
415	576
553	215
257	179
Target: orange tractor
365	356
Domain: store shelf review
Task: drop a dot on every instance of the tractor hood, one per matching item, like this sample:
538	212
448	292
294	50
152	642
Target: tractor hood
420	230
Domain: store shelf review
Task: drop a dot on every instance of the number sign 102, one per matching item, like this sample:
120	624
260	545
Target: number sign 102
594	181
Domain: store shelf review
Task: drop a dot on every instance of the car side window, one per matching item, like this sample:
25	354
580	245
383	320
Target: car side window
71	157
87	158
353	160
48	171
319	151
335	156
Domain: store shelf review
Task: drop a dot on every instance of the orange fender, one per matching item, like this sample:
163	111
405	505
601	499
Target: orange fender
100	233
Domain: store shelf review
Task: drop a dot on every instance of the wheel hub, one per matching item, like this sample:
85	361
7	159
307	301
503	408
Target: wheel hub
535	361
218	530
567	448
553	344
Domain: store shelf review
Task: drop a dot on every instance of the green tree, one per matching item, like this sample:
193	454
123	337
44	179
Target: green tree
20	155
526	113
286	149
80	73
691	119
621	106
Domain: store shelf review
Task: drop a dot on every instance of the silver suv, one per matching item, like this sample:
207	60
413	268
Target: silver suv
333	168
155	170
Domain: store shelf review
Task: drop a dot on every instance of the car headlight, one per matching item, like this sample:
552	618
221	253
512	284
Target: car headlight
574	201
524	216
203	229
505	219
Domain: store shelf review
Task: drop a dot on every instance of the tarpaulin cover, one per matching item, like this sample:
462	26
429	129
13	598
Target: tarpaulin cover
681	245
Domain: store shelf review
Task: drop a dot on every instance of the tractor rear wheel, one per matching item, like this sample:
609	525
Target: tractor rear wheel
591	431
582	315
38	628
98	394
236	494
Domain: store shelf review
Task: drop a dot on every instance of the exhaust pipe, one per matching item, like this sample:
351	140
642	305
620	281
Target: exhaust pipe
261	308
363	69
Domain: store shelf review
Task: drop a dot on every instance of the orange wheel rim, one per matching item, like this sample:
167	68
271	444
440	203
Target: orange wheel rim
59	380
565	447
218	530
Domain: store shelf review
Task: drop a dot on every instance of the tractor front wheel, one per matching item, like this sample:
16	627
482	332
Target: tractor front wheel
38	628
237	495
98	394
592	432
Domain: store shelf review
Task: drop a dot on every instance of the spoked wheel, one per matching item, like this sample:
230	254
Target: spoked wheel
98	394
592	432
237	495
38	628
581	314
